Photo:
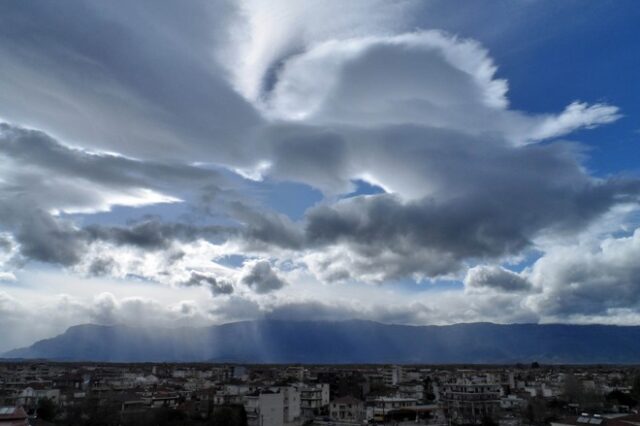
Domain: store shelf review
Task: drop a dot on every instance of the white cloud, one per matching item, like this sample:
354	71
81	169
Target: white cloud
593	278
266	32
575	116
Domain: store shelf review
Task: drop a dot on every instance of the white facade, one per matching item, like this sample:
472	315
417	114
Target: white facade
393	375
265	409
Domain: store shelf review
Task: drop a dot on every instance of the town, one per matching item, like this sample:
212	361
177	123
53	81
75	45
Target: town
55	393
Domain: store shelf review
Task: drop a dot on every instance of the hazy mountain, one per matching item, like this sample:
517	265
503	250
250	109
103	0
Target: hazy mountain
344	342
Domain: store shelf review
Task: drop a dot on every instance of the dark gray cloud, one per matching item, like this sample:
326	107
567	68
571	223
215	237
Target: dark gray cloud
484	199
153	233
39	235
414	313
496	278
37	149
102	266
216	286
263	230
262	279
43	177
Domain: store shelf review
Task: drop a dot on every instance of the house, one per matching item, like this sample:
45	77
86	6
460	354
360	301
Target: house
586	419
347	409
31	395
13	416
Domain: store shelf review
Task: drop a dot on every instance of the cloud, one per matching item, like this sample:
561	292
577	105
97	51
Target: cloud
267	33
160	106
496	278
216	286
7	277
501	199
142	82
261	277
384	238
589	279
427	78
575	116
85	181
416	77
26	321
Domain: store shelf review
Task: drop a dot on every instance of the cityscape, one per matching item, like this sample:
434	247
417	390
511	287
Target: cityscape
48	393
319	212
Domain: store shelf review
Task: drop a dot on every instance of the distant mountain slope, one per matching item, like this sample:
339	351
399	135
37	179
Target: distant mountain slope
344	342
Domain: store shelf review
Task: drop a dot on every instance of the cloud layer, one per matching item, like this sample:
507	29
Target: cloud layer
143	142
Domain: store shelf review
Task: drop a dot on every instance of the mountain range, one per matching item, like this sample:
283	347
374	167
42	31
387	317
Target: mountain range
355	341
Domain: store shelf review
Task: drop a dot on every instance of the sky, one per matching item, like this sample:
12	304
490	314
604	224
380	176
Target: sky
168	163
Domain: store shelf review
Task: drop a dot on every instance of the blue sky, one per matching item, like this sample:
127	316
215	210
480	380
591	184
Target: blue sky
413	162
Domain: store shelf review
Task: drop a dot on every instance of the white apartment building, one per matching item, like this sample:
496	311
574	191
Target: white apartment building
393	375
291	403
313	398
265	408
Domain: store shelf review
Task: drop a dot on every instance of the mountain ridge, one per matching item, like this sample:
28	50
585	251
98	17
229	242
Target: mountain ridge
349	341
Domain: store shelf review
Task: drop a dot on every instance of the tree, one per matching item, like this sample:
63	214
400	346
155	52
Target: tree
635	386
573	389
618	397
46	409
230	415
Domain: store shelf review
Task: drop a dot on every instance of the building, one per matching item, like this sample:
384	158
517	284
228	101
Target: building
512	402
313	398
265	408
291	404
393	375
466	401
13	416
412	389
585	419
385	407
347	409
31	395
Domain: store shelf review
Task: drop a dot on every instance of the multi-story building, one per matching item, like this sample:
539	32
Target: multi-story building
313	398
384	407
393	375
264	408
291	403
469	401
